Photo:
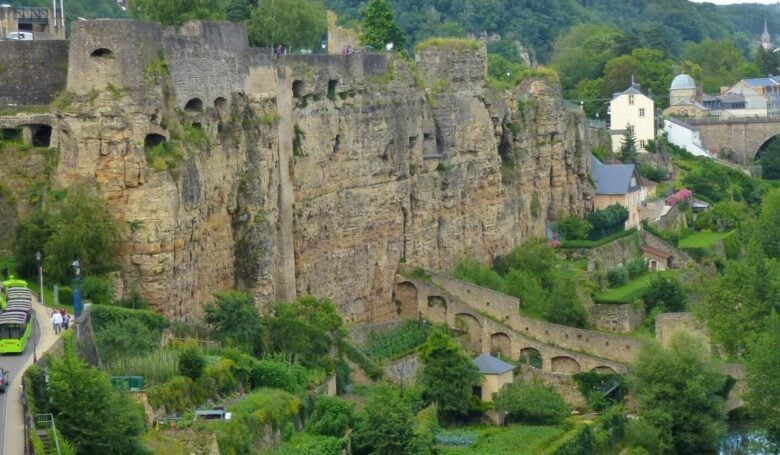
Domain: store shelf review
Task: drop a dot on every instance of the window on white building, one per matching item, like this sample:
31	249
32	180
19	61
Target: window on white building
630	99
641	112
642	143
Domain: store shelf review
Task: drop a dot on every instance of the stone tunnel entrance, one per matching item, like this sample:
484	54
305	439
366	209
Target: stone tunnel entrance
532	357
501	345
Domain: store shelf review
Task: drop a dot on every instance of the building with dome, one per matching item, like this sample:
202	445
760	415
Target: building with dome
684	88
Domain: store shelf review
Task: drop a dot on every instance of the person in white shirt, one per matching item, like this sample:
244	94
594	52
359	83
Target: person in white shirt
56	321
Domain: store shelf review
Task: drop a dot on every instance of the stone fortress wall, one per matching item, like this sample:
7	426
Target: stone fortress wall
321	172
31	72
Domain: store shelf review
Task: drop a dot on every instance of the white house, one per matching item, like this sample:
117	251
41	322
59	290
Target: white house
634	109
684	135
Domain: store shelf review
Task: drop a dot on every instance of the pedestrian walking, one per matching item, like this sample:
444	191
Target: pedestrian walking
278	51
56	322
66	321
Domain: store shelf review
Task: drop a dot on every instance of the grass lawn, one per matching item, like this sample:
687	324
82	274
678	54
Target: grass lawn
630	291
704	239
513	439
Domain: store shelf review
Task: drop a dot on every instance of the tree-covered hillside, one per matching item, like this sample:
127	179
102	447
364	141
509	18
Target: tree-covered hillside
537	23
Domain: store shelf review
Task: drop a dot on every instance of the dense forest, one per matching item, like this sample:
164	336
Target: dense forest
534	23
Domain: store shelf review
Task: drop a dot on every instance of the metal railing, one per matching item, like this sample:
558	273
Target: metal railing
43	420
596	124
572	106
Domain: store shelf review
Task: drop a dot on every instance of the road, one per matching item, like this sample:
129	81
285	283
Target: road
15	365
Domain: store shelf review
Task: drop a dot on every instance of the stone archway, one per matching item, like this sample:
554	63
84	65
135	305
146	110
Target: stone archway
470	325
406	300
437	309
194	105
531	357
501	345
603	369
565	364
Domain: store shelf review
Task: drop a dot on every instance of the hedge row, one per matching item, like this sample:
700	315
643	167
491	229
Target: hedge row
597	243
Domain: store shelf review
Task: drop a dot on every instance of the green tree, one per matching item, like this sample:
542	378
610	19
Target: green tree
307	329
75	224
386	425
766	61
532	403
666	292
90	414
718	63
448	375
573	228
767	229
378	26
332	416
472	270
176	12
763	369
628	146
770	160
680	391
295	24
582	53
724	216
649	67
192	362
235	319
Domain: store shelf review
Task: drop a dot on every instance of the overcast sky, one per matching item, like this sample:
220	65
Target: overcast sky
731	2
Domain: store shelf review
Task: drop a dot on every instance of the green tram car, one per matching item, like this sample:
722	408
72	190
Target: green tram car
16	318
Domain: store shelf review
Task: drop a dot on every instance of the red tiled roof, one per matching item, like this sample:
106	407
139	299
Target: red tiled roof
656	252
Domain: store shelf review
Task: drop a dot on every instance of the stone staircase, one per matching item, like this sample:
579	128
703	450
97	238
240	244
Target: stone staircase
47	442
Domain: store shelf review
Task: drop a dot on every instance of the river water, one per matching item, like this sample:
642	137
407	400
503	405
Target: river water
744	439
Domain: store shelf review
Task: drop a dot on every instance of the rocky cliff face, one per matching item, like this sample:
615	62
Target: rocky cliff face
322	175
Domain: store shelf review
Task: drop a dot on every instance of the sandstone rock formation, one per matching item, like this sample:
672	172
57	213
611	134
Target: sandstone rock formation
307	174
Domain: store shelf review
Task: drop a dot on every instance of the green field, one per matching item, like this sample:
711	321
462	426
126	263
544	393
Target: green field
630	291
704	239
513	439
627	293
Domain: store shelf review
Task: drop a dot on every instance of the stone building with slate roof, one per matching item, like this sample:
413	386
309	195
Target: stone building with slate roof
617	184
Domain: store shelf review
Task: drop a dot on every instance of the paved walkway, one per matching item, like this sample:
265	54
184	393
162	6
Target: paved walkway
13	440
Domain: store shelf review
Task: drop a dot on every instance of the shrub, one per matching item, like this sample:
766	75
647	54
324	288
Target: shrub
592	385
279	375
176	395
597	243
192	362
332	416
666	292
532	403
617	277
573	228
396	343
65	295
636	267
218	379
128	338
474	271
607	221
156	367
97	289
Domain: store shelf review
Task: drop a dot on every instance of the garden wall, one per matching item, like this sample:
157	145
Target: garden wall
617	318
564	384
609	256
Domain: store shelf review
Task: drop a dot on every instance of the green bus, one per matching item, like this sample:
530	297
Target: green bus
9	285
16	320
15	331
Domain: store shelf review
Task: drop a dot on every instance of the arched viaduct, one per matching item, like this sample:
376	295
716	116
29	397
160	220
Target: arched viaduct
743	136
520	339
